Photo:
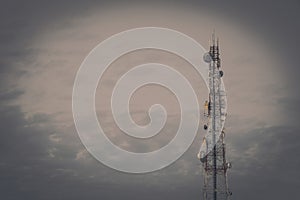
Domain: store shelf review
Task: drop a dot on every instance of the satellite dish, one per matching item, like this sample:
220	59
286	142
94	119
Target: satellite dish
207	58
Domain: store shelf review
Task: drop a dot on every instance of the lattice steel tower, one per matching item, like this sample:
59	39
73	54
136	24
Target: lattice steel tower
212	151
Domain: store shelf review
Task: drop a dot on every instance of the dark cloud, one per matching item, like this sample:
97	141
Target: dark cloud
264	162
30	170
267	164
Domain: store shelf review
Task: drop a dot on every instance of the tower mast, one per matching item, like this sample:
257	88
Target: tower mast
212	152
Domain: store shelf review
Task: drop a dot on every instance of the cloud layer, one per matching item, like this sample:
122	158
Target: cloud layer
42	46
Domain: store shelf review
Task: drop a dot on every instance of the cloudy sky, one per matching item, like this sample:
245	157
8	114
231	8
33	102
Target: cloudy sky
43	45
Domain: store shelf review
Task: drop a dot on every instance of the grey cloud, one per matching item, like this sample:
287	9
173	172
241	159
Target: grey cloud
27	170
265	160
41	162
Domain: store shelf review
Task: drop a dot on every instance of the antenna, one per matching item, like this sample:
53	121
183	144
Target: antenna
213	38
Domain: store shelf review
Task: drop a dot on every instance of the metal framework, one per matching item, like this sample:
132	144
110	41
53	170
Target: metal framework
212	151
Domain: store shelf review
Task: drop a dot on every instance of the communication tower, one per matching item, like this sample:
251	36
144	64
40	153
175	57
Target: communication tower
213	150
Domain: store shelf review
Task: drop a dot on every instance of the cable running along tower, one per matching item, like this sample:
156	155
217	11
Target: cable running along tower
212	151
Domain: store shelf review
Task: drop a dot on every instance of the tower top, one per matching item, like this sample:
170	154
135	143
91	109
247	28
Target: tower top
214	46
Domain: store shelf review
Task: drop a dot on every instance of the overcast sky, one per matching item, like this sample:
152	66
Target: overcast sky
43	45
